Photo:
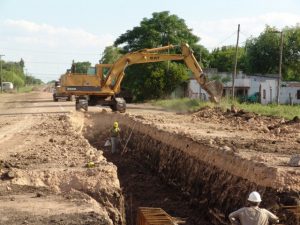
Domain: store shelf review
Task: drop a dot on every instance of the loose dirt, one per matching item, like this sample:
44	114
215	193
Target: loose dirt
44	178
199	166
215	158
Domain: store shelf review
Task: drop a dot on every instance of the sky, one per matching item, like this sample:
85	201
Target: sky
49	34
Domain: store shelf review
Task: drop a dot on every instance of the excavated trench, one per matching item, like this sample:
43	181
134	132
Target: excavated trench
189	180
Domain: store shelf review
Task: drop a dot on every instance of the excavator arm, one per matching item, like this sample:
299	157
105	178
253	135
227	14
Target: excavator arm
116	73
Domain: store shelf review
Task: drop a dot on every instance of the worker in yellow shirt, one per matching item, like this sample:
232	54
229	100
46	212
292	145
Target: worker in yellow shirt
114	137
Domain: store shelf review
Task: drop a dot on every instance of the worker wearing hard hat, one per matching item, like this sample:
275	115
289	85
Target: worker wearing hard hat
114	135
253	215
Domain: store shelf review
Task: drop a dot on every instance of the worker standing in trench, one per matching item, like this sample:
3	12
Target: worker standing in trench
253	215
114	137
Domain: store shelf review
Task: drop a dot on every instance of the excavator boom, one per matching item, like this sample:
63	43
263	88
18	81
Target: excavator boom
116	73
102	87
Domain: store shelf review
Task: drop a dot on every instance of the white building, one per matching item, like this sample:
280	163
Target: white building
263	86
195	91
290	93
268	91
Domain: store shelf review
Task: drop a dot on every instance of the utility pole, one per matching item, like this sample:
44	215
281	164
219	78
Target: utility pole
280	65
200	96
235	62
1	73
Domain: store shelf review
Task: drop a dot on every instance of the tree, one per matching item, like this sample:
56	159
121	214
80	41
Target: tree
262	53
223	58
220	78
32	80
22	63
13	72
110	54
11	76
291	61
158	79
154	80
161	29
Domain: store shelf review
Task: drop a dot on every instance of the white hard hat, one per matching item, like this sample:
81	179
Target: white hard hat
254	197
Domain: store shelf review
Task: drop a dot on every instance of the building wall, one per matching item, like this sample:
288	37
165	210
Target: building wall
288	95
255	82
195	91
268	91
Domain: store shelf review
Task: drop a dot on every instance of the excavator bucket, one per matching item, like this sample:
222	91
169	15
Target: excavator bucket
215	90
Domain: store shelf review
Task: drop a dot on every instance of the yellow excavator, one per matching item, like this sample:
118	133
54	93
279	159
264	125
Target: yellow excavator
102	83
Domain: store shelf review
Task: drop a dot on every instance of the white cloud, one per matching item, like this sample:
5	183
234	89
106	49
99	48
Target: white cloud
34	33
223	32
34	41
49	50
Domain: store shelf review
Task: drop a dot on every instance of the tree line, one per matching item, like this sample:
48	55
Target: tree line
14	72
259	55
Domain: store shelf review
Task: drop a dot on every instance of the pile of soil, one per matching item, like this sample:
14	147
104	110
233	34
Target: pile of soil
240	119
44	178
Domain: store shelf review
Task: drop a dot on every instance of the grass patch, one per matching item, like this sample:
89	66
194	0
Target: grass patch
25	89
186	104
181	104
285	111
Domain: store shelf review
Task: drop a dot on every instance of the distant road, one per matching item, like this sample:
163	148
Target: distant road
32	103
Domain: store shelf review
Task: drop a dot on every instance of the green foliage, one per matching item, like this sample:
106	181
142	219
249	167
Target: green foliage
110	55
14	72
80	67
201	54
32	80
291	59
152	81
223	58
51	82
25	89
285	111
181	104
157	80
262	53
220	78
159	30
13	77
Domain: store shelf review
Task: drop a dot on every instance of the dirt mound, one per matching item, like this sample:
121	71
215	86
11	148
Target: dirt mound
239	119
47	160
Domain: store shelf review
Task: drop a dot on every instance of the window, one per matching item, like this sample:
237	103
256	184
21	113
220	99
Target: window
298	94
105	72
91	71
264	94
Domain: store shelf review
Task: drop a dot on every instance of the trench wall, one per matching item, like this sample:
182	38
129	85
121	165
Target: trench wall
214	181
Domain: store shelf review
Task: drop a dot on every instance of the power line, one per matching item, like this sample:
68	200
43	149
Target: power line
49	52
225	39
56	63
44	73
246	34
